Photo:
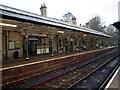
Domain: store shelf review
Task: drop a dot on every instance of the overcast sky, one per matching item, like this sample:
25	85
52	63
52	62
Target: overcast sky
84	10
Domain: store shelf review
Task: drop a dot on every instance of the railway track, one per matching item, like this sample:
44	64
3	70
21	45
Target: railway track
67	76
99	77
67	80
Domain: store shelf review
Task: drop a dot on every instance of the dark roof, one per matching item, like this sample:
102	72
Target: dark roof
17	13
117	25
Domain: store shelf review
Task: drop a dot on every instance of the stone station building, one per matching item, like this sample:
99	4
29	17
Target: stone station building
27	34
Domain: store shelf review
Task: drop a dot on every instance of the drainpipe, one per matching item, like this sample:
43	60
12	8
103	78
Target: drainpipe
57	43
23	50
88	44
79	45
6	44
1	46
95	44
52	46
67	46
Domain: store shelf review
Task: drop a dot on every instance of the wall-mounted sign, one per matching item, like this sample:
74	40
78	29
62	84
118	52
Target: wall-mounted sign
33	38
42	49
36	37
17	44
38	51
47	50
11	45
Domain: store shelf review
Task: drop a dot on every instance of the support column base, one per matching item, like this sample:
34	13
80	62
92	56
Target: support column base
27	59
52	55
67	52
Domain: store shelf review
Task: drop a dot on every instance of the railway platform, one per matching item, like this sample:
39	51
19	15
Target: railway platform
114	82
20	70
20	61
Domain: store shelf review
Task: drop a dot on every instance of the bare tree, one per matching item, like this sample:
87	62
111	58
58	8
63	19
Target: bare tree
95	23
67	17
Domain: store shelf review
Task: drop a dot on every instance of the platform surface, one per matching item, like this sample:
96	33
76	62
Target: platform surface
114	83
20	61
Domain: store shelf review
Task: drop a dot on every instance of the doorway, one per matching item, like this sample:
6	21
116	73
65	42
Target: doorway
31	47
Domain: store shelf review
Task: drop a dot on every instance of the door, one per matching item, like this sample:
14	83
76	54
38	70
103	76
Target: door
31	47
50	47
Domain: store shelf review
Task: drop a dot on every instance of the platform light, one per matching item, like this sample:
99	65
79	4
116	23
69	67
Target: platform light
84	35
10	25
60	31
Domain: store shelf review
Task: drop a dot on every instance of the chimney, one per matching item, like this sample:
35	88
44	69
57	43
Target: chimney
74	20
87	24
43	10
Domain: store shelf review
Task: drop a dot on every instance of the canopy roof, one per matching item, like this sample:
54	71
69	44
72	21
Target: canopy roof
117	25
25	15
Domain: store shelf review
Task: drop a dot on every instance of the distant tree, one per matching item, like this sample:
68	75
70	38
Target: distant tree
67	17
95	23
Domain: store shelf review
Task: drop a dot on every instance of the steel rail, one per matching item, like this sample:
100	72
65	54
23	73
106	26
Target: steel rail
67	71
92	72
36	86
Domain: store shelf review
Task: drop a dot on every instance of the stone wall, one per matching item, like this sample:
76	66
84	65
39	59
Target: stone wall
14	74
12	36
